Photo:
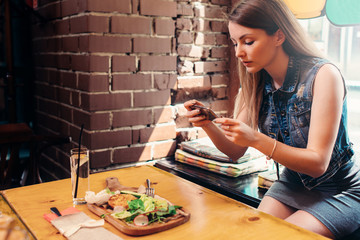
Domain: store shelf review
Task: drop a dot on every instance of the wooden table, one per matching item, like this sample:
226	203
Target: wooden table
5	209
213	216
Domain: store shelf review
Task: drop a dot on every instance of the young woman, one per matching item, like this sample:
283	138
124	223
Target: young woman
297	101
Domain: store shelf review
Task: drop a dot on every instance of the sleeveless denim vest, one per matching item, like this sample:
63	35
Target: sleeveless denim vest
285	115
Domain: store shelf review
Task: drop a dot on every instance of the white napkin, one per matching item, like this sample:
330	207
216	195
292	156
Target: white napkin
79	226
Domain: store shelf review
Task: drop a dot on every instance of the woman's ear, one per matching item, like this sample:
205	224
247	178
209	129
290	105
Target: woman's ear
279	37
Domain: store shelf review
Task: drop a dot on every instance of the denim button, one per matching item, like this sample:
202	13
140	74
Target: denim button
286	133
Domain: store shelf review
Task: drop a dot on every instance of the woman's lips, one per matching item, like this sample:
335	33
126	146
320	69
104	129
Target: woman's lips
246	63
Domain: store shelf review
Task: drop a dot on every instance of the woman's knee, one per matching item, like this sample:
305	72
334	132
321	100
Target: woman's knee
275	208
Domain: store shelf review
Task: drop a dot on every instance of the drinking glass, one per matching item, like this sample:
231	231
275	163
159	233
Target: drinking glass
80	181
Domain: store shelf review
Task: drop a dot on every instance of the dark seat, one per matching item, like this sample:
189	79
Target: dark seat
16	138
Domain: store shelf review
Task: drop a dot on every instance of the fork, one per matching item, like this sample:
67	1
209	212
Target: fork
149	191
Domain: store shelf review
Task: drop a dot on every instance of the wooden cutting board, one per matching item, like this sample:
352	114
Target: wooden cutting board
182	217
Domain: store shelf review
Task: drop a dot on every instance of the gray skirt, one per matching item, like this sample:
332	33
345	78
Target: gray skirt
335	202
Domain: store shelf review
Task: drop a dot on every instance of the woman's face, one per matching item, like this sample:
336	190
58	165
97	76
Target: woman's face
254	47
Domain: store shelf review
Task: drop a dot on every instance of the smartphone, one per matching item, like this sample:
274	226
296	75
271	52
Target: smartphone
210	114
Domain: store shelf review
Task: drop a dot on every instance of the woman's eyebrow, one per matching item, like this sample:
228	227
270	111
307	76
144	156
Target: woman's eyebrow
242	36
246	34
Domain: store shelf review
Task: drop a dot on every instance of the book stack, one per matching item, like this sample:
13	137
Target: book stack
266	179
203	153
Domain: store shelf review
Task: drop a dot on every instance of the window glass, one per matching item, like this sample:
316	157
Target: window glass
342	46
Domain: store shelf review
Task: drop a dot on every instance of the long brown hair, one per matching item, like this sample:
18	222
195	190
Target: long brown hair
268	15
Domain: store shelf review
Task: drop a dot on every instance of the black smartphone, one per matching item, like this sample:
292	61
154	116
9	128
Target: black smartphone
210	114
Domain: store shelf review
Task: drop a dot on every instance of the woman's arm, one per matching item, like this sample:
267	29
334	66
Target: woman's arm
326	112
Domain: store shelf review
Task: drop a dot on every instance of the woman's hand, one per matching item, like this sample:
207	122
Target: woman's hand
194	114
237	131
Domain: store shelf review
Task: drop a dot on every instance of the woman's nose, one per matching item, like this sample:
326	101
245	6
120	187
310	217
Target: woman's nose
239	52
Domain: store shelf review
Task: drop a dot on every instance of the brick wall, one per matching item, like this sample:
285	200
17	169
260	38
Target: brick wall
123	68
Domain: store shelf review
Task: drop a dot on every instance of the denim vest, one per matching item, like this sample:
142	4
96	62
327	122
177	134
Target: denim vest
285	115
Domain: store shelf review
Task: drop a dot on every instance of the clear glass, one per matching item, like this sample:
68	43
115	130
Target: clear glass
83	180
9	230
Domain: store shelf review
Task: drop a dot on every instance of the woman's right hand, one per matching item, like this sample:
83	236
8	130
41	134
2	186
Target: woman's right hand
194	114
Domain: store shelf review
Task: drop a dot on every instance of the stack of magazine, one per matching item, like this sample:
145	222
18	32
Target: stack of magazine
202	153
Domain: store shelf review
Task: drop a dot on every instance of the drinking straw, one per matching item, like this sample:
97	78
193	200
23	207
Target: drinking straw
78	169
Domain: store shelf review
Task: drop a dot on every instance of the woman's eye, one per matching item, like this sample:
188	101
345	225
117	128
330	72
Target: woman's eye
235	44
249	43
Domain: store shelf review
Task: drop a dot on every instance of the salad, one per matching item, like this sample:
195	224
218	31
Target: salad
145	210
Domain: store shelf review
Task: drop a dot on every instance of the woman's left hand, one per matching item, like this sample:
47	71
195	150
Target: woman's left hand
237	131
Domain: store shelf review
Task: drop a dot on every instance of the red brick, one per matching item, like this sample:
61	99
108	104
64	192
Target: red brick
194	82
89	23
64	95
158	133
220	92
165	81
164	27
63	61
62	27
50	11
112	44
53	77
48	60
183	24
75	99
186	67
131	25
152	45
69	7
158	63
79	24
70	44
68	79
218	26
163	115
93	83
113	138
201	25
100	102
220	105
164	149
99	64
193	51
100	159
123	6
124	63
222	39
135	6
90	63
214	66
92	121
185	10
220	79
132	118
205	39
132	154
131	81
65	112
49	107
185	37
220	52
158	8
46	91
154	98
53	45
209	11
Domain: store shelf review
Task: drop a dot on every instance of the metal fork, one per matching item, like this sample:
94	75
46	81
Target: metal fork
149	191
